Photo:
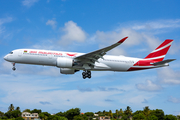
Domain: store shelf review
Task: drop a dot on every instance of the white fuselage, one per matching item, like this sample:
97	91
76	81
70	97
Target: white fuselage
49	58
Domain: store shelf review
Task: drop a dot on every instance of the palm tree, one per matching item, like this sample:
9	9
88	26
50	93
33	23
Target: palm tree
117	114
110	113
18	108
121	112
128	111
11	108
146	111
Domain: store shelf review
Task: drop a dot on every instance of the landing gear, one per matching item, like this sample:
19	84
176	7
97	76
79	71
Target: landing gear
86	74
14	68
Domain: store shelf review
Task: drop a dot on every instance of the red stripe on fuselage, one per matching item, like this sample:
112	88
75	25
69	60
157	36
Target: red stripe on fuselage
136	68
144	63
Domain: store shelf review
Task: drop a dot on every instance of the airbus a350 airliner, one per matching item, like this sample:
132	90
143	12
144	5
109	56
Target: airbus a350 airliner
71	62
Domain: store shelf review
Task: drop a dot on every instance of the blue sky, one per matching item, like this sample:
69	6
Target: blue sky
85	26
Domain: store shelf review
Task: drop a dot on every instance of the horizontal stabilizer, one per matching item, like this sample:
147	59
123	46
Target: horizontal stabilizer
163	62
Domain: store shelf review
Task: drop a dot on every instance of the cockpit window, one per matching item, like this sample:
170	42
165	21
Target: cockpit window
11	53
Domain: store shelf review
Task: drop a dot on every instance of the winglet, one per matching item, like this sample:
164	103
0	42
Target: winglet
122	40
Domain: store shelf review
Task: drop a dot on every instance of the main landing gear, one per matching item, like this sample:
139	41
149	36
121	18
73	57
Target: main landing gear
86	74
14	68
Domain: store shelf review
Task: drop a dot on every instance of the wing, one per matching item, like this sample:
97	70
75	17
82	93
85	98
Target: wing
92	57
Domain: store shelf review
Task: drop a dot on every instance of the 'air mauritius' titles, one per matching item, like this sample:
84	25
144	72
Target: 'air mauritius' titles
49	53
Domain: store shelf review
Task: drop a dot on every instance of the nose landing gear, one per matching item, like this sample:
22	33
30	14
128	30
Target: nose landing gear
14	68
86	74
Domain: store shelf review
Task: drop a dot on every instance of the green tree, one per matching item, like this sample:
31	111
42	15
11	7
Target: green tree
146	111
139	116
44	115
36	111
27	110
63	118
11	107
104	112
110	114
178	117
8	114
90	115
5	117
19	118
170	117
158	113
72	112
63	114
128	111
121	112
125	117
80	117
56	117
152	117
1	114
117	114
18	108
138	112
16	113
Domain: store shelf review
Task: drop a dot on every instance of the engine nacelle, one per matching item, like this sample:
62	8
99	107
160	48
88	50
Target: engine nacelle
67	71
63	62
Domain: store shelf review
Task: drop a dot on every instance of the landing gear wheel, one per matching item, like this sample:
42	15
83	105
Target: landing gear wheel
14	67
89	73
84	77
86	74
89	76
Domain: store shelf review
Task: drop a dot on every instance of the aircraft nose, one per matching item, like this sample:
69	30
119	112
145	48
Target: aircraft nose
5	57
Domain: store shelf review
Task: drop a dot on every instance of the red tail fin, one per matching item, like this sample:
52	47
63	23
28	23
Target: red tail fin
159	53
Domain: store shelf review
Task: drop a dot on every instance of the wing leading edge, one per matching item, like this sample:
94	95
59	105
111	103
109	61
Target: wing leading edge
92	57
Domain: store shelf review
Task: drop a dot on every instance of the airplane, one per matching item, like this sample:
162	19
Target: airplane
71	62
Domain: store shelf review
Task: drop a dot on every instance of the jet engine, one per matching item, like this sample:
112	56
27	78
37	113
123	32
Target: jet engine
67	71
63	62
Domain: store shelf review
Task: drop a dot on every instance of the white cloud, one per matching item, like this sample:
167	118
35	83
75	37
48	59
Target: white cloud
29	3
52	23
134	38
5	20
153	42
148	86
158	24
72	33
169	76
37	91
174	99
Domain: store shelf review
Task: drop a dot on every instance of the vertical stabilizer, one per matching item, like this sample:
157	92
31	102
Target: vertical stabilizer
160	52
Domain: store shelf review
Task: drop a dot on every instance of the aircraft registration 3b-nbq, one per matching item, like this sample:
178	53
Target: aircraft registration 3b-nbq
70	62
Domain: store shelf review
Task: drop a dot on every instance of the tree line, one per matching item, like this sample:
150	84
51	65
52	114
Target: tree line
75	114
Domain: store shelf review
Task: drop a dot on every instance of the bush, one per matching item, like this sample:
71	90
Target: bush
19	118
